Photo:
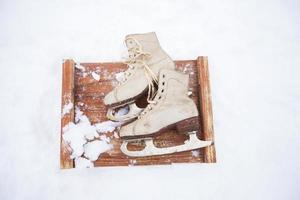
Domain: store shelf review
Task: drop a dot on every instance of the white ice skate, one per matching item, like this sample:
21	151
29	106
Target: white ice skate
146	59
171	108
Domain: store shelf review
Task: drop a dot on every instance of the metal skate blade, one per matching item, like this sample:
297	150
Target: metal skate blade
150	149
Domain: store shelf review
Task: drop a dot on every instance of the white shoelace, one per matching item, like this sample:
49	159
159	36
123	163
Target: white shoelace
137	55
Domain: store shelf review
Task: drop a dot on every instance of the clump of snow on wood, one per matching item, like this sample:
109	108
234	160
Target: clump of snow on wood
67	108
105	138
76	135
107	126
81	163
82	134
120	76
92	150
196	153
187	68
189	93
79	115
132	162
75	138
96	76
79	66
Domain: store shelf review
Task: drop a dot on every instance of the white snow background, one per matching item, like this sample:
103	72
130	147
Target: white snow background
254	56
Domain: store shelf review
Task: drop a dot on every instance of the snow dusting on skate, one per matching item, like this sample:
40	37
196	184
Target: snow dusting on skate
86	139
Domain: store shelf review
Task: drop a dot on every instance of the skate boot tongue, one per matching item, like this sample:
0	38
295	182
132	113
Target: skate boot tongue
135	50
139	58
144	61
146	42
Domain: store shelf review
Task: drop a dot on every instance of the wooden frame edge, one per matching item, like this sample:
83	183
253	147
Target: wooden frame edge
67	97
206	108
68	73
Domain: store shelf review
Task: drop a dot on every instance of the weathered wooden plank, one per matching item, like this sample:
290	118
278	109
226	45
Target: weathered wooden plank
88	97
206	108
67	97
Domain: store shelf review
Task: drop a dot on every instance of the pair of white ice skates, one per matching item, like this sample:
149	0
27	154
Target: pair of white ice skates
151	71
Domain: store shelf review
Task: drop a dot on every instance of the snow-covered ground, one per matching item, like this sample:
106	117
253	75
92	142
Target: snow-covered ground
253	49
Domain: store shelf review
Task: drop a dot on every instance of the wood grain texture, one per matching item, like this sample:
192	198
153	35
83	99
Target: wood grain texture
88	96
206	108
67	97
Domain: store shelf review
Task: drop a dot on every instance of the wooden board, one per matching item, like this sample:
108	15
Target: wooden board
80	88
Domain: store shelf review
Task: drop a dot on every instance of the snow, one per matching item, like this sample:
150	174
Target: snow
80	136
132	162
74	136
196	153
79	66
96	76
253	49
107	126
82	163
120	76
67	108
122	111
92	150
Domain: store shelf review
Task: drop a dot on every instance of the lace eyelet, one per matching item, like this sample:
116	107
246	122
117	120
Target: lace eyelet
163	83
130	42
162	90
163	76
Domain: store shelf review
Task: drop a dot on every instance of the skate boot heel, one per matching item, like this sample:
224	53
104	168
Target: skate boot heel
188	125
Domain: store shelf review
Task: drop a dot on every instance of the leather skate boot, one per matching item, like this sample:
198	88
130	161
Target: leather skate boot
171	108
146	59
